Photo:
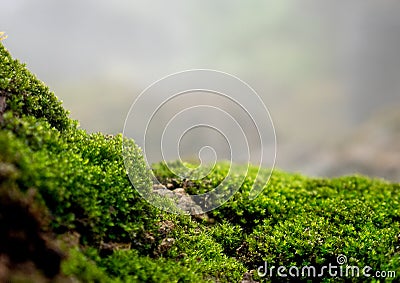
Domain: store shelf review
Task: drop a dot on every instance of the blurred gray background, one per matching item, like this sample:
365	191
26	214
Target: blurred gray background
329	71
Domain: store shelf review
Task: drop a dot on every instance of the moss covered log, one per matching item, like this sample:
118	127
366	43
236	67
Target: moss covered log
69	213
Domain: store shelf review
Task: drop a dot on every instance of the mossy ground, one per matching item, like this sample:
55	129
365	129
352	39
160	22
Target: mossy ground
68	211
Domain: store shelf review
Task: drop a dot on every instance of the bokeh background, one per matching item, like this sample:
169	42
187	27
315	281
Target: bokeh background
329	71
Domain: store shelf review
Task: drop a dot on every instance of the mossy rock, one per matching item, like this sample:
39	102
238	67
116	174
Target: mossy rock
83	220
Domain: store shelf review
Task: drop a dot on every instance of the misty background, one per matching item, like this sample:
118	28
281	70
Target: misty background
328	71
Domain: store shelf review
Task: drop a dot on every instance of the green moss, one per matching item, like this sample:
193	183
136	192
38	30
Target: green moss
82	187
302	221
82	268
130	266
26	95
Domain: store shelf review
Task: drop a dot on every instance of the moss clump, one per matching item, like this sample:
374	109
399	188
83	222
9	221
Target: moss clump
81	189
26	95
300	221
81	185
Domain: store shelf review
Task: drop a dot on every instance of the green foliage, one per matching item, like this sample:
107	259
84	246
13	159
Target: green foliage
129	266
82	268
302	221
26	95
83	188
82	183
80	177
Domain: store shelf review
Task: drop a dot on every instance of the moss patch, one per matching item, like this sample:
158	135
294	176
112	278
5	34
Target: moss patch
86	221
